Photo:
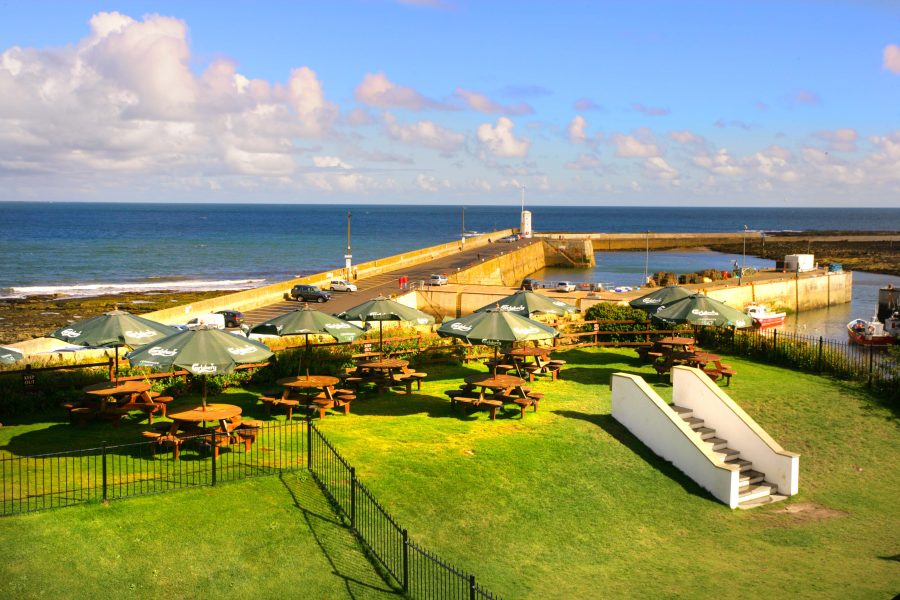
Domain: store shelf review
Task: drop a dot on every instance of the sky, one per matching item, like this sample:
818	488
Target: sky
687	103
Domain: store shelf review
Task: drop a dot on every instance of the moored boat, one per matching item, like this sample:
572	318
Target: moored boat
763	317
872	333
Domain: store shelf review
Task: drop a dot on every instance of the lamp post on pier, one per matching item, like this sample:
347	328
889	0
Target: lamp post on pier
348	258
646	257
743	258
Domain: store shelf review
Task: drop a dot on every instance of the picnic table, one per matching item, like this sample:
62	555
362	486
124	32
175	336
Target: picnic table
112	400
311	385
540	362
191	423
490	391
685	344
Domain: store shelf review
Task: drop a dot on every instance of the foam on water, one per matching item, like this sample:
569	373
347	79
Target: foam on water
100	289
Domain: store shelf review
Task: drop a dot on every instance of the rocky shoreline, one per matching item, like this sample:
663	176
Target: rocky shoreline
36	316
871	255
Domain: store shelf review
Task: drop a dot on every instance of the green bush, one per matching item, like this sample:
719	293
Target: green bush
607	311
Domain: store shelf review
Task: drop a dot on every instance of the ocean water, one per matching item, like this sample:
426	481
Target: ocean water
92	248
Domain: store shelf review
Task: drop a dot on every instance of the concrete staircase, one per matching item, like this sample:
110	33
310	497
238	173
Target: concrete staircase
754	490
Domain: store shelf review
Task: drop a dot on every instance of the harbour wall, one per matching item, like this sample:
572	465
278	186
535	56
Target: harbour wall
641	241
269	294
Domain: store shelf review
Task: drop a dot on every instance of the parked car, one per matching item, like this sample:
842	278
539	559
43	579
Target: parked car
531	284
211	320
233	318
437	279
509	239
565	286
339	285
309	293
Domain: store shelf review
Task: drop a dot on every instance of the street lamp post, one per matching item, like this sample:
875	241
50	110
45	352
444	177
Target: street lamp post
646	257
522	213
743	257
348	258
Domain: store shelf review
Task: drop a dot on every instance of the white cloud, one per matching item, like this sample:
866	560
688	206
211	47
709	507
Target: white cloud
483	104
628	146
839	140
685	137
429	183
720	163
584	162
499	140
891	57
576	130
125	101
330	162
656	167
315	113
378	91
423	133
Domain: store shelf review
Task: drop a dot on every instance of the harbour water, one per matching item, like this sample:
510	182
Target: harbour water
86	249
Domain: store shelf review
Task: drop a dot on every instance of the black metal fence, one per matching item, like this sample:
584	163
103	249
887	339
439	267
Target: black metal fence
31	483
418	572
872	366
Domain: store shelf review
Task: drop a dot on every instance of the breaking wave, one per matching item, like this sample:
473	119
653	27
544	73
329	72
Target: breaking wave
102	289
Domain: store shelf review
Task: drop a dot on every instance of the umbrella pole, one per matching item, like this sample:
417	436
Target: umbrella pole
380	338
203	396
117	361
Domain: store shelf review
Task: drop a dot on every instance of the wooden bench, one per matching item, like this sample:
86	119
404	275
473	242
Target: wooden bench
415	376
492	405
81	414
164	439
271	401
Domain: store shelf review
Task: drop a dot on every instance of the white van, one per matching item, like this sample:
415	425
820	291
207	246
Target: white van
211	320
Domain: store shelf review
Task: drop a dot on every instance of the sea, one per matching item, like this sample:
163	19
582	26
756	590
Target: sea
88	249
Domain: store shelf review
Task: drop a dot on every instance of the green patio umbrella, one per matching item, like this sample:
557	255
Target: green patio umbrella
661	298
200	352
529	303
698	309
115	328
10	356
307	321
496	328
384	309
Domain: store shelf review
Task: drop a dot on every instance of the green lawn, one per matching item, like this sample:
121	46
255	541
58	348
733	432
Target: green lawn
563	504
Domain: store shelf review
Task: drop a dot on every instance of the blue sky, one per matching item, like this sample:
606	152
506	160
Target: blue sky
452	102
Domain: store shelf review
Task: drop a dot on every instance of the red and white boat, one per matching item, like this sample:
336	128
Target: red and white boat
763	317
873	333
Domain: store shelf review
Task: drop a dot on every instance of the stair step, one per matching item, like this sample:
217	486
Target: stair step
755	492
745	465
706	432
694	422
683	410
717	443
727	454
750	477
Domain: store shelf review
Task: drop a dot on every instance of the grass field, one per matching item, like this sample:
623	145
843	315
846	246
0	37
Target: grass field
563	504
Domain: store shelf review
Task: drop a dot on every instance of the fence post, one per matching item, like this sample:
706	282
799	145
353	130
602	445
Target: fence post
774	343
471	587
819	356
105	500
214	461
871	361
309	432
353	498
405	560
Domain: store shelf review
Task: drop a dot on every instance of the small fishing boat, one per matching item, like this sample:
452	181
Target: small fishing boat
873	333
470	234
763	317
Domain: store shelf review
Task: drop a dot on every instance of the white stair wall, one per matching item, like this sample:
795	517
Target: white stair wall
652	420
695	390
